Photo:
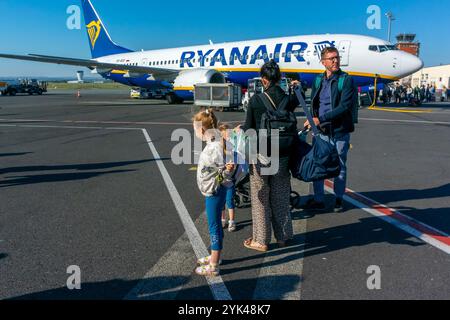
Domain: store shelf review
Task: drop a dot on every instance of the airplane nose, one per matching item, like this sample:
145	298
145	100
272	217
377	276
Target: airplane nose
411	64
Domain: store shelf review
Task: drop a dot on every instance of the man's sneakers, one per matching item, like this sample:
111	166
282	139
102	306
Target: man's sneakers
339	205
313	205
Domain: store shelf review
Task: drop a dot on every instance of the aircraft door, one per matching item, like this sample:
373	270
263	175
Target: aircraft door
344	52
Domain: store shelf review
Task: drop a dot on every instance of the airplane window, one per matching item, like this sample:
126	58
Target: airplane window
265	55
277	55
373	48
283	54
382	48
246	57
271	55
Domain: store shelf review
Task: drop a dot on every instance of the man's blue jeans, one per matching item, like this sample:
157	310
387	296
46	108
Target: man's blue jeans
342	145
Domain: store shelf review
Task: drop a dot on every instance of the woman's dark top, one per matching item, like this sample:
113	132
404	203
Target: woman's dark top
256	109
256	106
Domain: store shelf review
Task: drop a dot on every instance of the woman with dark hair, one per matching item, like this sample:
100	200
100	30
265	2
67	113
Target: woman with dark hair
269	193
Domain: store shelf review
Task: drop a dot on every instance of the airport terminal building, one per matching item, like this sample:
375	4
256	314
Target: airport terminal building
432	75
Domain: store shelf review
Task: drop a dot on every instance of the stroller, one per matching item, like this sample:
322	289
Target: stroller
242	198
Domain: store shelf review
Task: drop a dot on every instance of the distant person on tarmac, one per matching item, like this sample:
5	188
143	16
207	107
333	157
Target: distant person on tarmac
422	94
332	112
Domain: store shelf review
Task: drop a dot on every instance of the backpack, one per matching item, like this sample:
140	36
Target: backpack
278	118
355	106
319	162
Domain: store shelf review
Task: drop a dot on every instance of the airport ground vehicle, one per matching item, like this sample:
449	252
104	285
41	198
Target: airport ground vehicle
143	93
255	86
218	95
30	87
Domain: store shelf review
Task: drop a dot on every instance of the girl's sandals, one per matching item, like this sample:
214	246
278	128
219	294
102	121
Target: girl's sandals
206	260
250	244
207	270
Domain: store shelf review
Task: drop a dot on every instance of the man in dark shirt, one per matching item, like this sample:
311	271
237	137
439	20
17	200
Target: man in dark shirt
332	109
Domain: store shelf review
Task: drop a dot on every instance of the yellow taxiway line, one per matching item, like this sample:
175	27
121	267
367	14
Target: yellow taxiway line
400	110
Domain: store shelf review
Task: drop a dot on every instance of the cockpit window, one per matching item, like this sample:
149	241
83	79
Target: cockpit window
382	48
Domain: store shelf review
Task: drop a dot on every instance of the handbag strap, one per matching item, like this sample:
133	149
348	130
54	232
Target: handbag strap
268	102
300	98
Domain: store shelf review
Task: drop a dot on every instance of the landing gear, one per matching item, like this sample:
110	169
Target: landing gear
173	99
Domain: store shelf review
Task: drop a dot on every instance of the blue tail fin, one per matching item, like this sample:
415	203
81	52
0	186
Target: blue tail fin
99	39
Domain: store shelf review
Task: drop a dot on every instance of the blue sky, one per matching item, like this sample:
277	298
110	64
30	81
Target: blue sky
39	26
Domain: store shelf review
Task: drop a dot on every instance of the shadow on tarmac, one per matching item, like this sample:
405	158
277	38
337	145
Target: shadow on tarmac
158	288
81	167
364	232
14	154
26	180
387	196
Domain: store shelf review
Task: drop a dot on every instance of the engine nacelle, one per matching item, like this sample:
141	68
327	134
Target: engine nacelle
188	78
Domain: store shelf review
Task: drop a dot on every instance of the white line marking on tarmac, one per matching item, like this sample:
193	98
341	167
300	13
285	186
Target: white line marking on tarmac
426	233
218	288
64	127
100	122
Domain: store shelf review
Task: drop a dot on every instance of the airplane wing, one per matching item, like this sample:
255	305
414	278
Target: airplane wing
92	64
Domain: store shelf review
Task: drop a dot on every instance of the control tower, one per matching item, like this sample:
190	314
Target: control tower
405	42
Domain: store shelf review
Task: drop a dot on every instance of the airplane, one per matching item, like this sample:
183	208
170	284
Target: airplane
179	69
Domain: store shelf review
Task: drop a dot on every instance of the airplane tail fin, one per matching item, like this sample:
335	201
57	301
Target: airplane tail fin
99	39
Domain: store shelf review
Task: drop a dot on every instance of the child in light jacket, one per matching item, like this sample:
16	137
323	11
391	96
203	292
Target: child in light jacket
213	178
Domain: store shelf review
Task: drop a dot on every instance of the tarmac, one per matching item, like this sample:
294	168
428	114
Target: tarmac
90	182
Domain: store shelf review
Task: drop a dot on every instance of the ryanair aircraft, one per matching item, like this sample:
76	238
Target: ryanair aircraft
180	68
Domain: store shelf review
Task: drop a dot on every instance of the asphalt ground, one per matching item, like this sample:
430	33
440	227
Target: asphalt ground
80	184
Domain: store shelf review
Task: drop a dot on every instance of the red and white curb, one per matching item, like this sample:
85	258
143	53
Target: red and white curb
426	233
